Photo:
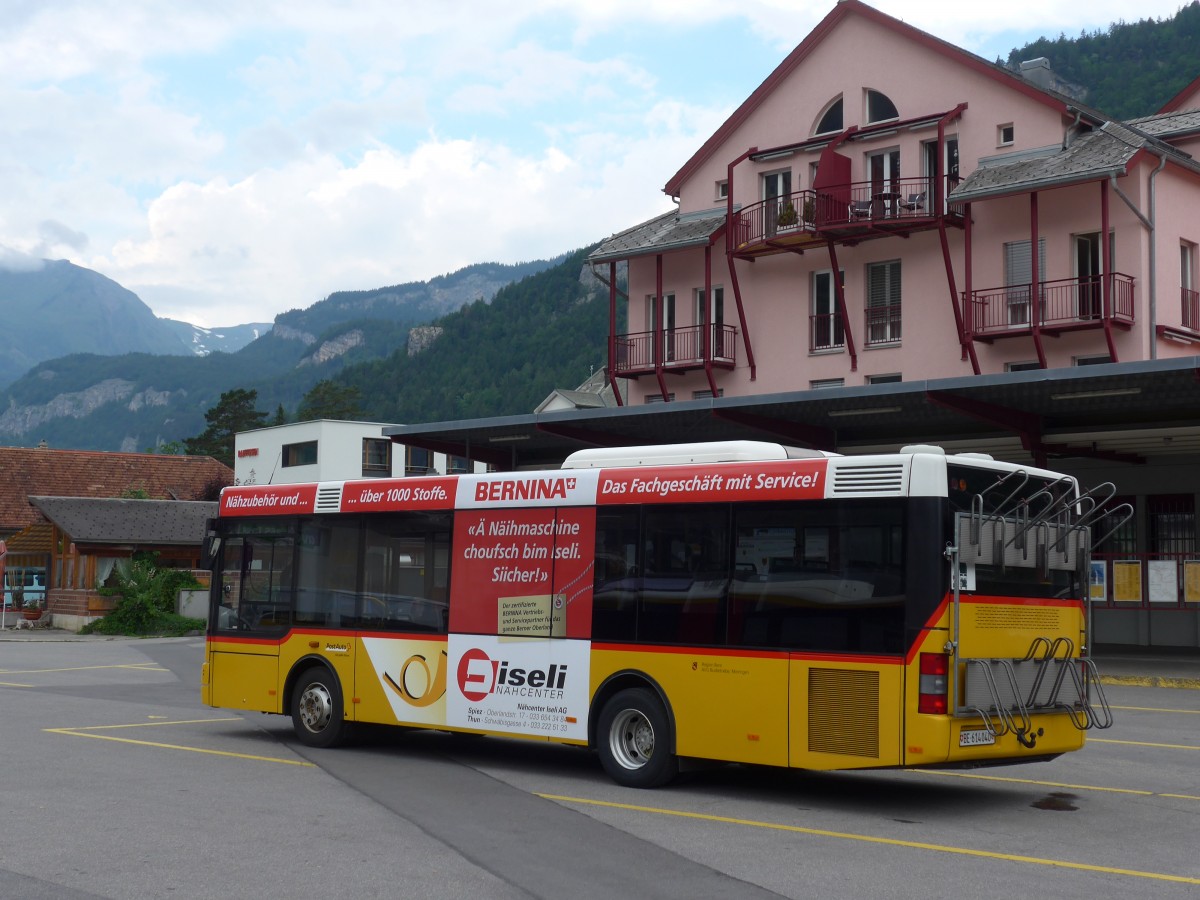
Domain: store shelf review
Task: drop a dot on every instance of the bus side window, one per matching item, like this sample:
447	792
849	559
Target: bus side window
617	575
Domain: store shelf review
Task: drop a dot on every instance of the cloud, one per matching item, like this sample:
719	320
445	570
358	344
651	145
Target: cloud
12	260
306	229
232	160
56	234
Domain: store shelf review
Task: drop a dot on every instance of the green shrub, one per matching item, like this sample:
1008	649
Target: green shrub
146	600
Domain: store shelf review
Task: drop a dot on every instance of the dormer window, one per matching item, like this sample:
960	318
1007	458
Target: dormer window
831	120
880	108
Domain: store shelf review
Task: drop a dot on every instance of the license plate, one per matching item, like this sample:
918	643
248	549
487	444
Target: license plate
975	738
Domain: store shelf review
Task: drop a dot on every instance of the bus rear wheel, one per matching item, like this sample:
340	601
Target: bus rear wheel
634	740
317	712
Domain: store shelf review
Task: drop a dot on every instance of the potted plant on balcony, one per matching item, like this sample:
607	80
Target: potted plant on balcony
809	210
787	216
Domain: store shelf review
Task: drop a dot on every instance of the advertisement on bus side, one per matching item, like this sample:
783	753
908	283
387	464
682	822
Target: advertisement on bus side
519	686
413	675
523	572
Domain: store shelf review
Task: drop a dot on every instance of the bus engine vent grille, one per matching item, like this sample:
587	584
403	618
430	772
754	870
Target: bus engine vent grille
329	498
843	712
862	479
1007	618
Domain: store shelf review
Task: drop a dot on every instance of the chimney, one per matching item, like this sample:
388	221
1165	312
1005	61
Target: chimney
1037	71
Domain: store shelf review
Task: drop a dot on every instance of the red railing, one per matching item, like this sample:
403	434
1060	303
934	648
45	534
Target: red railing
891	202
1191	308
1062	303
676	348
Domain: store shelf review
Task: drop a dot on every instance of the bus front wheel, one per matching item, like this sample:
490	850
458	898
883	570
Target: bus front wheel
317	714
634	740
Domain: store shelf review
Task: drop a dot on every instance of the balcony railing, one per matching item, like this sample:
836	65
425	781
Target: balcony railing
825	332
897	205
1065	304
1191	308
883	324
676	348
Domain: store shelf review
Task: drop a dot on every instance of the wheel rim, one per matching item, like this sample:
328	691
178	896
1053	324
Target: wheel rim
316	707
631	739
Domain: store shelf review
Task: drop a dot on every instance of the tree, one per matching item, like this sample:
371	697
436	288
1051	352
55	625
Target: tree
329	400
280	416
233	413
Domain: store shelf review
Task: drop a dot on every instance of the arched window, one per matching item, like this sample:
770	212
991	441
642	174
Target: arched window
832	119
880	108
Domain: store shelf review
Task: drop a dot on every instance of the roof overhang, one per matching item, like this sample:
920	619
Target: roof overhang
1119	412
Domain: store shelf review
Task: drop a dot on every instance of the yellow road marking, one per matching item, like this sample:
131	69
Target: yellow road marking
1143	744
870	839
86	731
14	684
1186	712
139	667
1053	784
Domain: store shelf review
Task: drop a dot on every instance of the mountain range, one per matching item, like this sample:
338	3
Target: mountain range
91	367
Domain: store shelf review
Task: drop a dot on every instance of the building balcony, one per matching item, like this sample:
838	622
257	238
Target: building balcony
1188	329
675	350
1065	304
844	214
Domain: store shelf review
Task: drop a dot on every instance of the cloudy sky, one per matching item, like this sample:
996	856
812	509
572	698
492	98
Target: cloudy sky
229	160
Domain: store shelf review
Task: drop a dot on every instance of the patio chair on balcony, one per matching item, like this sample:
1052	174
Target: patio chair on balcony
861	209
914	204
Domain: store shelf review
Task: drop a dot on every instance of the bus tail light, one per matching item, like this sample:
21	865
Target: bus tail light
933	685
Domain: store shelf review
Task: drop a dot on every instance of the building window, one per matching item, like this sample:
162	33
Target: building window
1172	524
1018	278
831	120
1091	360
1028	366
880	108
883	302
1187	286
376	456
417	461
658	398
822	383
304	454
457	465
1005	135
665	344
826	331
719	346
707	394
722	189
884	379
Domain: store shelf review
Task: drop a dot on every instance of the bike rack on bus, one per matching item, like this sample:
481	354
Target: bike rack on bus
1005	692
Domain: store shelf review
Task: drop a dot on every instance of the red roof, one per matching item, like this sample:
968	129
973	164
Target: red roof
844	9
28	472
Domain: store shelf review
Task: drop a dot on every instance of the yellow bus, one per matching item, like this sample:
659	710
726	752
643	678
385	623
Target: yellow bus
740	601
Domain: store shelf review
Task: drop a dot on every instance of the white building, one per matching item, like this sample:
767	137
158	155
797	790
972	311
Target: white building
329	450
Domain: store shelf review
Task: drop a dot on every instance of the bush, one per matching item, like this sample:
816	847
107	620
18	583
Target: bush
146	600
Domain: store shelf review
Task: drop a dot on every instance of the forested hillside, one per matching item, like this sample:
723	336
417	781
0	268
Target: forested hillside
544	332
1130	69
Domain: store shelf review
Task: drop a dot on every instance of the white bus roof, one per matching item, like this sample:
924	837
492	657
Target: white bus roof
683	454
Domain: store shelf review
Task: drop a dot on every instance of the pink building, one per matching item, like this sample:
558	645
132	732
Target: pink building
866	222
872	223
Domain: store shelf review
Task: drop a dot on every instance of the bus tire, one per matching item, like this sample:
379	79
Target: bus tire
634	740
317	712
